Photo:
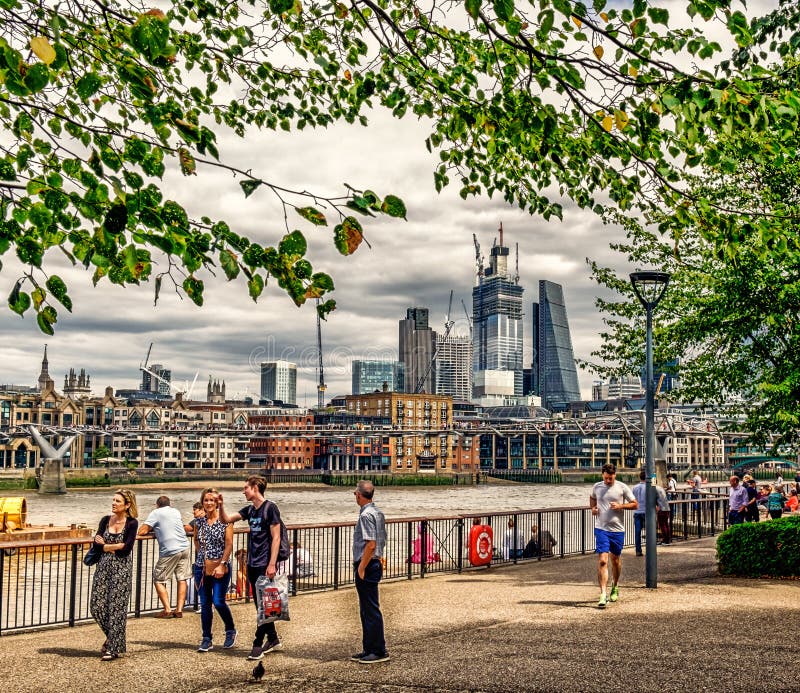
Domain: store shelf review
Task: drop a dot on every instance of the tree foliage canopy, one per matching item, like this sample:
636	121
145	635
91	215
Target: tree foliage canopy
532	101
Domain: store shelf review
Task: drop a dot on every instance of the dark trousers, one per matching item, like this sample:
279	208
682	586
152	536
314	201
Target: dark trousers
265	630
735	517
372	639
638	526
663	525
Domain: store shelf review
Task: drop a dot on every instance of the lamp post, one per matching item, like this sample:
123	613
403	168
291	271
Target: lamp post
649	288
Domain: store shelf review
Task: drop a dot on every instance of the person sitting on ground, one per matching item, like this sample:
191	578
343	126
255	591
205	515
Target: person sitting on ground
305	564
542	540
513	542
792	502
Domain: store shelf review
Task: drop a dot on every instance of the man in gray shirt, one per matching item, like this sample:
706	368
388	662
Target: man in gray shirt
608	500
369	540
174	556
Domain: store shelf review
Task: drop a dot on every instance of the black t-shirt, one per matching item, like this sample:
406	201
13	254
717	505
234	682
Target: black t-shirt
260	542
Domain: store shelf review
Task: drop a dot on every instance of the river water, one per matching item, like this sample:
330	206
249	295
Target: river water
317	504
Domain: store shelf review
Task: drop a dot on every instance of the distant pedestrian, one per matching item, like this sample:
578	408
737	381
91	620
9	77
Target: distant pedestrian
513	541
775	502
113	575
608	499
640	494
792	502
541	543
737	501
369	541
264	542
697	482
778	479
751	512
663	515
213	542
174	554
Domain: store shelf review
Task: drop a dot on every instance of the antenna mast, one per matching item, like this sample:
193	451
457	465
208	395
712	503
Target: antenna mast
321	386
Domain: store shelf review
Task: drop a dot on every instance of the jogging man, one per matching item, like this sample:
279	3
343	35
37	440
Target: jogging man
608	500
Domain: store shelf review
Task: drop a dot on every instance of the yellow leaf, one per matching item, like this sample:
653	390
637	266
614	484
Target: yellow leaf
43	50
632	71
578	22
655	107
621	119
604	16
607	123
598	51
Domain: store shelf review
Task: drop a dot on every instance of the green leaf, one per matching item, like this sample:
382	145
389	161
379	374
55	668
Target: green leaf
194	289
230	263
293	244
19	301
313	215
38	295
56	286
326	307
255	286
250	185
280	6
347	236
37	77
323	281
504	9
150	34
88	85
473	8
394	206
116	219
43	319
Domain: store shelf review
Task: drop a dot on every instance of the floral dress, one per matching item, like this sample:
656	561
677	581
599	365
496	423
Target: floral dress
111	593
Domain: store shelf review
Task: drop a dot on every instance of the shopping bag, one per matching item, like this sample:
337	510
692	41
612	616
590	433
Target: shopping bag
272	598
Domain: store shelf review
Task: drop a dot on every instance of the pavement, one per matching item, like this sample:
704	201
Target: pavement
530	627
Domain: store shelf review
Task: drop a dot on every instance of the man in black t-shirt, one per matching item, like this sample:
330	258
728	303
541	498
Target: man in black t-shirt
264	519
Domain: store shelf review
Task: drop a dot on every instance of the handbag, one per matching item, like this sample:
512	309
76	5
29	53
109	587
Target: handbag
210	565
93	555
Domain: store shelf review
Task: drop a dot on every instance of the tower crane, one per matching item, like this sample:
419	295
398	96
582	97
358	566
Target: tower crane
321	386
467	315
448	325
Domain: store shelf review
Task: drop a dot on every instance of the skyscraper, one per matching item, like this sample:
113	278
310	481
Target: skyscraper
497	317
279	381
553	356
454	367
369	376
417	346
156	378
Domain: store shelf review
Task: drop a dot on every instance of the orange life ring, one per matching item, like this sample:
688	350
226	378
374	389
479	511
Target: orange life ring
481	544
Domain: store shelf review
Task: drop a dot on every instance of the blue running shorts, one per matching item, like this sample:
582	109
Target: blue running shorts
608	542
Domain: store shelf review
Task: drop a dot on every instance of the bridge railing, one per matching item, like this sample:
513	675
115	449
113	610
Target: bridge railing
46	584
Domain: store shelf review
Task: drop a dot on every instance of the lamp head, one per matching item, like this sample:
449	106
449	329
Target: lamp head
649	287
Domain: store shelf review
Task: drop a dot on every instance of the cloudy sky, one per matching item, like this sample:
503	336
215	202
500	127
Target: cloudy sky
411	263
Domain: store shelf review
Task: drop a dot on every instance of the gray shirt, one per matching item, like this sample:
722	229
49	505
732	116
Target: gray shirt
608	519
167	524
371	526
662	503
640	493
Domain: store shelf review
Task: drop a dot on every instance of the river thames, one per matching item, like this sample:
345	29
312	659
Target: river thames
318	504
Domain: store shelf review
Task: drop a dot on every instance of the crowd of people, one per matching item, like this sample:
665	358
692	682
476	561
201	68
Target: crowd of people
211	529
747	502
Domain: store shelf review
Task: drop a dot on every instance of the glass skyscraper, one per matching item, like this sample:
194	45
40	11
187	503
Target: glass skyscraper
497	318
554	360
369	376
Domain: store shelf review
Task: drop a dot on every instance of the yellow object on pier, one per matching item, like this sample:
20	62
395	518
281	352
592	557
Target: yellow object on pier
13	513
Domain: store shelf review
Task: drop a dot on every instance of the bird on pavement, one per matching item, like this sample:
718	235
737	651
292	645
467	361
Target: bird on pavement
258	671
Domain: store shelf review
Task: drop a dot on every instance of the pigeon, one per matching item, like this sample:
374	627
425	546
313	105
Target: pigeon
258	671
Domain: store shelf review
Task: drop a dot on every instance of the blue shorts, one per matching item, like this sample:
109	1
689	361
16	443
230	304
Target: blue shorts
608	542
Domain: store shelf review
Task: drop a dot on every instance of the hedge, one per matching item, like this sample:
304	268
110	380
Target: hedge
761	549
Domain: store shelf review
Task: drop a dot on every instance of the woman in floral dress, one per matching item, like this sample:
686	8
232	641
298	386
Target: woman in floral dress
111	587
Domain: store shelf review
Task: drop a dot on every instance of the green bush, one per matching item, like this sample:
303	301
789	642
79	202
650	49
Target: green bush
756	549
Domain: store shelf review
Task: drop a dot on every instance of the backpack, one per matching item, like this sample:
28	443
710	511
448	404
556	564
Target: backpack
285	550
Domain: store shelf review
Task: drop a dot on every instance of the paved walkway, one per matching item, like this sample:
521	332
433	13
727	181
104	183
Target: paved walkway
531	627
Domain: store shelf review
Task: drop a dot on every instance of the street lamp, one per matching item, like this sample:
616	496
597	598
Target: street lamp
649	288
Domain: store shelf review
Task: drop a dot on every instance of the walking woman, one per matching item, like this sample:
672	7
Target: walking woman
111	588
214	546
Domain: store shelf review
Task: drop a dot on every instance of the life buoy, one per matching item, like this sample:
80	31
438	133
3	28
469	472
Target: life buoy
481	544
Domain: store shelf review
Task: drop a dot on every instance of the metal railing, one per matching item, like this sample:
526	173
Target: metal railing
45	583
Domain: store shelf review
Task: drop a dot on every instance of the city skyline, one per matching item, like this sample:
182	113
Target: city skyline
410	263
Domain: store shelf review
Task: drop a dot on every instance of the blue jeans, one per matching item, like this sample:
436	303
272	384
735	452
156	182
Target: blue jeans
638	526
372	639
211	592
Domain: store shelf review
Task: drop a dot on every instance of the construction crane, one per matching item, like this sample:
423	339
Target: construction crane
468	316
448	325
187	390
321	386
478	260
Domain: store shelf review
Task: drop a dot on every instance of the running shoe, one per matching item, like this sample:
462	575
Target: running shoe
601	604
614	594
